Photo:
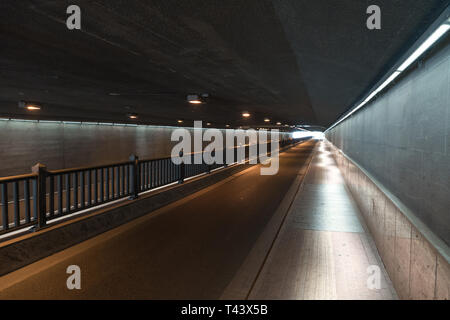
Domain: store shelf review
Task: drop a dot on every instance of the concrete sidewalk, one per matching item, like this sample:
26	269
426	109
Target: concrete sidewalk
323	250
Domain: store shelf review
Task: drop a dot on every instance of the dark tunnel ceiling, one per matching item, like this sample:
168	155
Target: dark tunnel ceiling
293	61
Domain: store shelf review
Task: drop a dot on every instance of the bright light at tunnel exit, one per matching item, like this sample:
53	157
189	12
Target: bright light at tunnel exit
304	134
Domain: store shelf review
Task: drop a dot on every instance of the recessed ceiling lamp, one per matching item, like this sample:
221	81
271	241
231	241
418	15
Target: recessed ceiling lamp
132	115
278	123
29	105
208	124
180	121
227	125
197	99
245	114
266	120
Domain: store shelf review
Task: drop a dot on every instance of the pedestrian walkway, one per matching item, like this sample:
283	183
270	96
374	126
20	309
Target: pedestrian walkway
323	250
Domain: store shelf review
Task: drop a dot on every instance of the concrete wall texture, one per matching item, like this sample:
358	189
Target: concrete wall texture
403	140
59	145
415	266
68	145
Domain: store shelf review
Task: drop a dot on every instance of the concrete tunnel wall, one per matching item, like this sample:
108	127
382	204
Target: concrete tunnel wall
68	145
403	139
395	157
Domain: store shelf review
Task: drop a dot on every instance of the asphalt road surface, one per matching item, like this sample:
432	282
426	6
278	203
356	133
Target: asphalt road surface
188	250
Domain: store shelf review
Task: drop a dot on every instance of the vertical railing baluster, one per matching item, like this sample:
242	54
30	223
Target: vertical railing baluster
35	199
107	183
122	177
113	182
16	203
148	175
118	181
163	172
89	187
68	204
51	196
95	186
145	176
159	173
142	176
167	171
82	190
152	176
75	191
26	199
102	186
5	217
59	186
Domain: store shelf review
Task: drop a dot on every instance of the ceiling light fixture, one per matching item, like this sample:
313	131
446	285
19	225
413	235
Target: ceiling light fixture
197	99
278	123
132	115
180	121
245	114
430	41
32	107
266	120
425	46
29	105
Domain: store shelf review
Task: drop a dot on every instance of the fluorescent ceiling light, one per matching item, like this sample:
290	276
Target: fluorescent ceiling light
424	46
382	86
435	36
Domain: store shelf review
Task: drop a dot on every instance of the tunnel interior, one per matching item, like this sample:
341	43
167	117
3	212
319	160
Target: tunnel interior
354	173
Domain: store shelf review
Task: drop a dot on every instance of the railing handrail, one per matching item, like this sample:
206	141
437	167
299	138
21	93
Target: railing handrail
18	177
90	186
102	166
72	170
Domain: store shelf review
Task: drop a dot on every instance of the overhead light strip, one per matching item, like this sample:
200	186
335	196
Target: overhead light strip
425	46
430	41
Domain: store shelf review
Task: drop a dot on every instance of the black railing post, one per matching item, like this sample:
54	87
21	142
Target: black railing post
41	171
134	175
182	168
224	151
208	166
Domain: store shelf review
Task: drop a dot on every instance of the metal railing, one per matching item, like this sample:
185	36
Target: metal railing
31	200
19	213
